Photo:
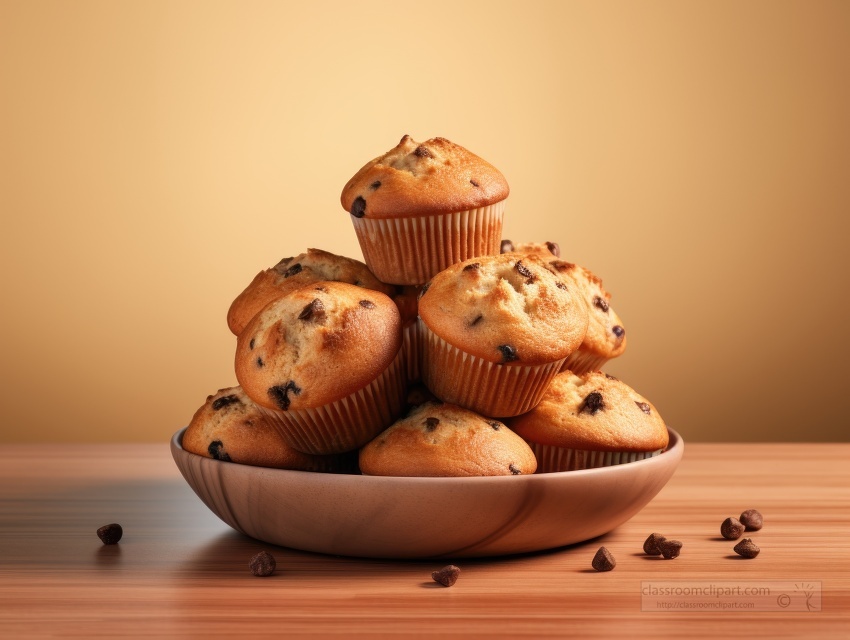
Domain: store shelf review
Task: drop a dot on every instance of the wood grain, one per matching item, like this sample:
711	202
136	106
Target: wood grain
179	571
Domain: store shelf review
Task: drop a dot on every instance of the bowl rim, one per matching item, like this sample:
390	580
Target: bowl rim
675	447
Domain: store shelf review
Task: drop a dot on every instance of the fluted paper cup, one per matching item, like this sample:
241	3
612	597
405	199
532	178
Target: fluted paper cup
492	389
413	249
348	423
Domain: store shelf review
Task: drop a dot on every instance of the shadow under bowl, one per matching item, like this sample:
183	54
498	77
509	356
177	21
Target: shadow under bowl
393	517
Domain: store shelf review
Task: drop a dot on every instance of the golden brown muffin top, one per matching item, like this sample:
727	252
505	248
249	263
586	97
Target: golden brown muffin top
447	440
605	335
230	427
593	412
317	345
414	179
293	273
507	309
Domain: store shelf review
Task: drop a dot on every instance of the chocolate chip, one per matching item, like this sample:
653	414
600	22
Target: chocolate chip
560	265
603	560
313	310
472	266
474	183
496	425
260	362
644	407
251	344
263	564
670	548
618	331
600	303
476	320
358	207
592	403
561	285
431	423
215	451
294	269
422	152
731	529
752	520
110	533
367	304
746	548
509	354
554	249
280	394
650	545
610	377
375	185
424	290
515	470
507	246
446	576
218	403
523	270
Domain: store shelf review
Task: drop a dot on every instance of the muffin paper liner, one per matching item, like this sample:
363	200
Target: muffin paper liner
413	249
412	347
495	390
348	423
580	362
551	458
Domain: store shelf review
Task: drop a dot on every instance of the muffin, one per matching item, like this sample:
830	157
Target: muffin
606	337
293	273
546	250
446	440
230	427
591	421
422	207
496	329
324	363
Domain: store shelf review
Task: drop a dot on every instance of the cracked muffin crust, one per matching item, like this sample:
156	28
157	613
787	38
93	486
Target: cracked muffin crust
293	273
589	421
446	440
412	179
504	309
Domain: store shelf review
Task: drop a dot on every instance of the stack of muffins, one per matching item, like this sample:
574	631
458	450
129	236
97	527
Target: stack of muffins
450	352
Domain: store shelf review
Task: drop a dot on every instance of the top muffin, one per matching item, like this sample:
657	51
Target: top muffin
436	176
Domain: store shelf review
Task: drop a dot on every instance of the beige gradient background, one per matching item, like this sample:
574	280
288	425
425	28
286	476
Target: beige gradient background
155	155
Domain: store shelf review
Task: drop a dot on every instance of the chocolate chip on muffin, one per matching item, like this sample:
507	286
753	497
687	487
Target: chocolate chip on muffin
592	404
224	401
280	394
509	353
215	450
358	207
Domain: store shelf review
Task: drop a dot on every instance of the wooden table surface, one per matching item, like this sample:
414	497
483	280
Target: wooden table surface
179	571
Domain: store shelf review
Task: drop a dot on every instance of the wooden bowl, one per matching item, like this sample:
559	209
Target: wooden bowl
389	517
